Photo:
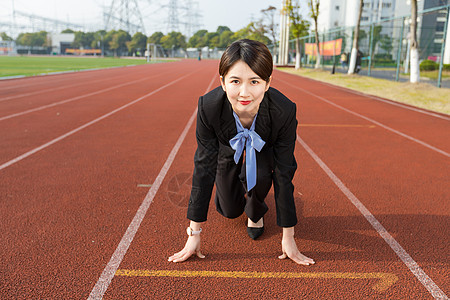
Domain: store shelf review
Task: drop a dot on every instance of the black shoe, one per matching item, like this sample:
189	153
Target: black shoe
255	232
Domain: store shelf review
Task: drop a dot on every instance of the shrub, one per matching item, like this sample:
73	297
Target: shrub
446	67
428	65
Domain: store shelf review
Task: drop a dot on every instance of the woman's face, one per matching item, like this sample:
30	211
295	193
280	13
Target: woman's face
245	90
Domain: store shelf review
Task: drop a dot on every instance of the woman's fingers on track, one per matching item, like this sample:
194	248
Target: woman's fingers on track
302	260
180	256
184	255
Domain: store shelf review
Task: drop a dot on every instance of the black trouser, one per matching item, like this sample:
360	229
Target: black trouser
231	186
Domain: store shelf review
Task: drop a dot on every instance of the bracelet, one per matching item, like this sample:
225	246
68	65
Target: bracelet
191	232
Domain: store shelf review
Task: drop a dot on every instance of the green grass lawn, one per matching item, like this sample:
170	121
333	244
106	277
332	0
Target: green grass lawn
417	94
34	65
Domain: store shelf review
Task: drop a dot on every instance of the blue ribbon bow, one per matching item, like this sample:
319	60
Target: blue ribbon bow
251	140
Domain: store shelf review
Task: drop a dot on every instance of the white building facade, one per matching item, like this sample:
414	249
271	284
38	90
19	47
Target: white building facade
336	14
344	13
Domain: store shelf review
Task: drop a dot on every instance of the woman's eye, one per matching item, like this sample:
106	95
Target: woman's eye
235	81
255	81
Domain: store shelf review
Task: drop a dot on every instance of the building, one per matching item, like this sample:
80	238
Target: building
344	13
430	26
61	41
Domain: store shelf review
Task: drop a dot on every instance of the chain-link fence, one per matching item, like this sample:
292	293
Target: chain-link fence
384	47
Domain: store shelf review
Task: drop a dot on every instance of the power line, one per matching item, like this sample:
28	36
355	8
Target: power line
121	15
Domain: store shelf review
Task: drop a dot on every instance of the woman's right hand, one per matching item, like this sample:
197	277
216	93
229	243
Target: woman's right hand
192	246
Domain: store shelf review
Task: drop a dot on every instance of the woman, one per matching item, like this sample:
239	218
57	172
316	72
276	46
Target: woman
246	134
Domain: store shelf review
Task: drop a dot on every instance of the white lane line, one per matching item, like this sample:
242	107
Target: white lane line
110	270
372	121
393	102
29	84
74	98
56	89
75	74
25	155
427	282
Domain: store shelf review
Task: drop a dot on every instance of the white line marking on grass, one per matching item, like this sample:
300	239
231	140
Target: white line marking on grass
373	121
392	102
74	98
427	282
110	270
25	155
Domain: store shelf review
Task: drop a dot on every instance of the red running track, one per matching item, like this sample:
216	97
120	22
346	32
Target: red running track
94	180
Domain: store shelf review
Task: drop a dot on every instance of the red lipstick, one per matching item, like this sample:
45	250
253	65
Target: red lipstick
245	102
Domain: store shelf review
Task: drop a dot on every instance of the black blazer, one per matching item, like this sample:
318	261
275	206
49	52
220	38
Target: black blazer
276	124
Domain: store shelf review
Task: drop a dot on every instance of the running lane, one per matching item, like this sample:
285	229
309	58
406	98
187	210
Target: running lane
69	205
64	209
400	181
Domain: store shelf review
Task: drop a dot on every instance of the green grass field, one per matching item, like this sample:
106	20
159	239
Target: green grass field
421	94
34	65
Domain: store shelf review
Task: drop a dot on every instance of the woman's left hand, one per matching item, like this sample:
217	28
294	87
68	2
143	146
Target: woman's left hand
289	248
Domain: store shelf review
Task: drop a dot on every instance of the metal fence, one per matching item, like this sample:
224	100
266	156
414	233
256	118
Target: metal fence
385	46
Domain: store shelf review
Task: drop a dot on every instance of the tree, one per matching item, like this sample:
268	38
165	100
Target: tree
98	41
117	40
114	43
251	31
174	40
35	39
376	35
225	39
299	28
314	6
83	39
68	30
211	39
138	42
414	51
197	40
155	38
386	43
271	26
5	37
354	54
222	29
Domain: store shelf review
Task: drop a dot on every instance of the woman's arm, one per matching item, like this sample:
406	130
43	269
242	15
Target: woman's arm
205	161
205	165
285	167
192	246
289	248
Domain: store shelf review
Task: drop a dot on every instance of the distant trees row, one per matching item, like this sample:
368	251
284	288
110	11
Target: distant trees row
120	41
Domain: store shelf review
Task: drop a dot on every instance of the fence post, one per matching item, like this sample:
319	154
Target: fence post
441	62
370	49
399	52
308	58
322	57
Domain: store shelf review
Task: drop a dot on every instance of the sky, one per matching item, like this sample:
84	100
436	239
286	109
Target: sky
235	14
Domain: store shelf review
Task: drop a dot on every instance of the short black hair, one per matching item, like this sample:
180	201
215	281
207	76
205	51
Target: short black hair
255	54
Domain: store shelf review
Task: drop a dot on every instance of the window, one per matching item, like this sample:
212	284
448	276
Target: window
337	7
437	47
386	5
440	26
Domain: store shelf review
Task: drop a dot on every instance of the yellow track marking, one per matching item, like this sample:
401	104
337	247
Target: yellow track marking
336	125
385	279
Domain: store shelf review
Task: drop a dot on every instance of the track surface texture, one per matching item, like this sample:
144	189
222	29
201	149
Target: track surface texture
94	183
